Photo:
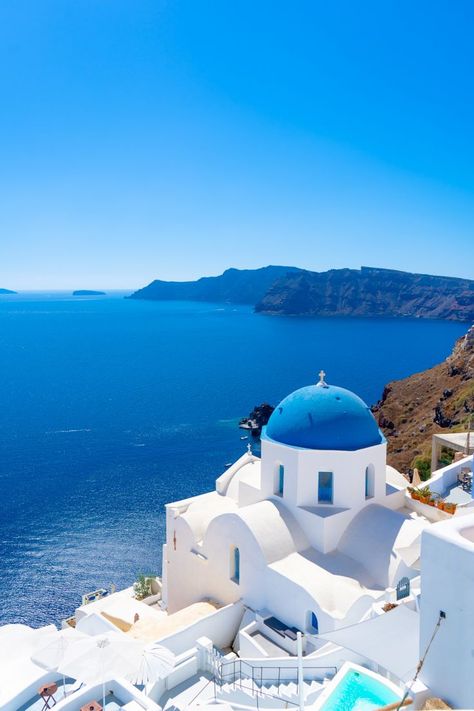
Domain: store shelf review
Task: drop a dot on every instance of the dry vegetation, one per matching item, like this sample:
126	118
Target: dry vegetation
440	399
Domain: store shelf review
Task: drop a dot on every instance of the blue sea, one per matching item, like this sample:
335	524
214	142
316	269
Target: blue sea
112	407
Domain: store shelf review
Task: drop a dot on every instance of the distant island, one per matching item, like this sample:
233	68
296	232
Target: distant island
236	286
368	291
88	292
7	291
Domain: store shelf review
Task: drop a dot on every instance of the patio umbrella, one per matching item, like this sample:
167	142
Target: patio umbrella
96	659
156	662
416	481
51	654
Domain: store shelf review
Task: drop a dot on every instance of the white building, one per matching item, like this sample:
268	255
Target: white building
314	532
318	536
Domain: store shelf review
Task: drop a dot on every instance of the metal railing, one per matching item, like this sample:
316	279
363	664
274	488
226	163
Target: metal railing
235	671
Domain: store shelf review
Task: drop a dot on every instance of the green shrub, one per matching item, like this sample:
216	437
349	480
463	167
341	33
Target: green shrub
446	457
142	587
423	464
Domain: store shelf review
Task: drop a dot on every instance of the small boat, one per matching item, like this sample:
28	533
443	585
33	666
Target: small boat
229	464
244	437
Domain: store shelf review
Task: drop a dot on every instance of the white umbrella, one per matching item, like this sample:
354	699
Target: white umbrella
96	659
51	655
156	662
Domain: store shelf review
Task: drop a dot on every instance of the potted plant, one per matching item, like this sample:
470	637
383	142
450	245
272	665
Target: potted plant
425	495
142	587
450	508
414	493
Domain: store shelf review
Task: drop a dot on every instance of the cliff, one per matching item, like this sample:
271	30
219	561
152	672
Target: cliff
437	400
238	286
370	292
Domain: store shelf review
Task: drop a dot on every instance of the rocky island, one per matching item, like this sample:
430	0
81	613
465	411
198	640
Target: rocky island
88	292
368	292
7	291
236	286
257	419
440	399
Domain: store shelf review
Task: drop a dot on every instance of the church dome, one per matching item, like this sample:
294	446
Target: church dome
324	417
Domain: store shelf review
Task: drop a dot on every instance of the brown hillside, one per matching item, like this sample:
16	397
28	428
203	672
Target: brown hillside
436	400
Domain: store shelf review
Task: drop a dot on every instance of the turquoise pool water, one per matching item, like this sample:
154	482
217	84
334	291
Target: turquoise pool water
359	692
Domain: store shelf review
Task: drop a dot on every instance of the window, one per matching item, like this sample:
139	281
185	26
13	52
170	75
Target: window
312	622
369	481
403	588
280	483
235	565
325	487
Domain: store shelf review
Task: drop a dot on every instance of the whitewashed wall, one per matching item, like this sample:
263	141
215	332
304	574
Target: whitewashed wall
447	577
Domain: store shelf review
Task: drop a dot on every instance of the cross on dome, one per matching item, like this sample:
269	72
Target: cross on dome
249	448
322	383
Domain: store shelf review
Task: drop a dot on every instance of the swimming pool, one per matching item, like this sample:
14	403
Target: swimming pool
357	689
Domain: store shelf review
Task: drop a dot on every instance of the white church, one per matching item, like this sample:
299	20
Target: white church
315	531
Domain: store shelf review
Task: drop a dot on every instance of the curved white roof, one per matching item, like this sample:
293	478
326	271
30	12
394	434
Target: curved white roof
375	538
249	473
202	510
335	587
273	530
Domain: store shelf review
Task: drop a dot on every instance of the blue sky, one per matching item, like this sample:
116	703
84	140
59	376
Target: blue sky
143	139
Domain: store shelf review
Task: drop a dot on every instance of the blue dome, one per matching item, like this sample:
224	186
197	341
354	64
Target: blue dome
324	417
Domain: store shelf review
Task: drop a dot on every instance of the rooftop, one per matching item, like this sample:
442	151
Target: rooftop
324	417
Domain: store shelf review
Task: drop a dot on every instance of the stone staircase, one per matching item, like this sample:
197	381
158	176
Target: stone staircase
270	695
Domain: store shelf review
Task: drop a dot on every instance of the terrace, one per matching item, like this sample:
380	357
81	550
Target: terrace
454	482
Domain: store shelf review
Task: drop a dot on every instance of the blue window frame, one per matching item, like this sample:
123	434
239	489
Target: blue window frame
235	561
314	623
325	488
281	479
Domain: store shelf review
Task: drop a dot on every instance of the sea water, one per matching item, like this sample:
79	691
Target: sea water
111	407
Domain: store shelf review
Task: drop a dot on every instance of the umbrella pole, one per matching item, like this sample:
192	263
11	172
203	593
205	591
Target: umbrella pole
64	686
103	695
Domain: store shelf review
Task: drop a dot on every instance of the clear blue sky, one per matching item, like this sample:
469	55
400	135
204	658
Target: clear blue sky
144	138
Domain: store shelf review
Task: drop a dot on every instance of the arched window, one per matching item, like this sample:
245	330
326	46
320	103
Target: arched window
280	480
312	622
235	564
369	481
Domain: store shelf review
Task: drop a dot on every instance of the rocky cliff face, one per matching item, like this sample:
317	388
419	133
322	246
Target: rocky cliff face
370	292
437	400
